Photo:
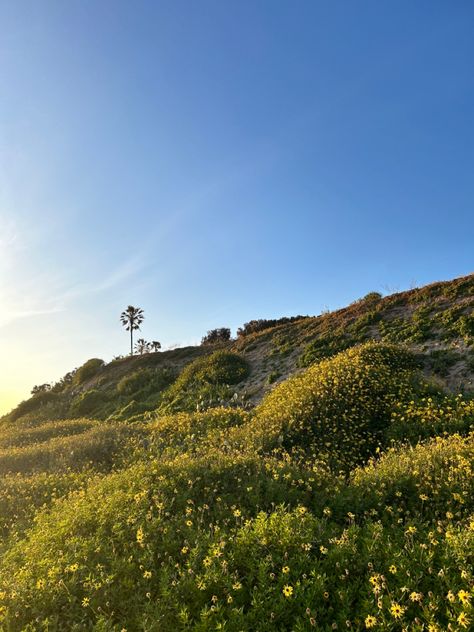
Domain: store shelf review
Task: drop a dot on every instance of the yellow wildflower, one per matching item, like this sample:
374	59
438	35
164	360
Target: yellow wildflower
397	610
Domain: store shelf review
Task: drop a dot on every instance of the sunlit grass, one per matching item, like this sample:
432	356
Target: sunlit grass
344	501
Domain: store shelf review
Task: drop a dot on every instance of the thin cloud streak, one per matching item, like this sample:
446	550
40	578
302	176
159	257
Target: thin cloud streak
12	317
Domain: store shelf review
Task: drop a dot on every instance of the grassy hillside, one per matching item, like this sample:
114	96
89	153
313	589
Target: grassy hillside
315	474
436	322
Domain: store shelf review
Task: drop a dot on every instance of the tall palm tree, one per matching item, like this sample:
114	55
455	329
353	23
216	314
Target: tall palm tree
155	345
131	319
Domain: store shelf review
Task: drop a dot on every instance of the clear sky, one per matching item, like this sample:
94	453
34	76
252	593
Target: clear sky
217	161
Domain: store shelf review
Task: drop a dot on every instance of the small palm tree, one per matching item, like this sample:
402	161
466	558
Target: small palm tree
142	346
155	345
131	319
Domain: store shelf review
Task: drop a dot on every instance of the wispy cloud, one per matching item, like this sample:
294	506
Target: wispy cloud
12	316
112	278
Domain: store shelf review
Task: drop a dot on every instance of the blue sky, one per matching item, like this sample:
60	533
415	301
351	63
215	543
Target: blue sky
214	162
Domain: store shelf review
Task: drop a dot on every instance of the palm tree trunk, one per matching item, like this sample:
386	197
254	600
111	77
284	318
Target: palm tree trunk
131	341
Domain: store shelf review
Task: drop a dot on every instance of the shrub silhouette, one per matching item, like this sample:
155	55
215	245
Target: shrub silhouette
216	335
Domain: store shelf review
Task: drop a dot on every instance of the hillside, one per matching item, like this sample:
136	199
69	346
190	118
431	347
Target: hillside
435	321
316	473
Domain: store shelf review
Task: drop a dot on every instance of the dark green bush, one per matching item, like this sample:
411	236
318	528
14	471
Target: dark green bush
88	402
88	370
273	377
440	361
221	367
149	380
261	324
324	347
216	335
205	382
372	297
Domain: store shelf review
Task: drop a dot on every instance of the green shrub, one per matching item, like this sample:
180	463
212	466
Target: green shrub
88	370
35	403
367	319
22	496
16	436
88	402
282	344
456	323
221	367
428	480
415	421
216	335
371	297
273	376
439	361
338	409
324	347
255	326
145	380
205	382
98	446
145	546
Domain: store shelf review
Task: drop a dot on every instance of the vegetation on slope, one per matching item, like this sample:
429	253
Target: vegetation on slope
343	500
436	322
257	520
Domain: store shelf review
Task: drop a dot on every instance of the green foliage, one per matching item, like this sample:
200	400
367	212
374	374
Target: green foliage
255	326
40	388
34	404
340	408
415	421
282	344
21	496
65	382
273	376
100	446
470	361
345	500
427	481
88	402
371	297
88	370
195	432
439	361
333	340
455	322
205	382
146	381
145	545
17	436
414	329
216	335
324	347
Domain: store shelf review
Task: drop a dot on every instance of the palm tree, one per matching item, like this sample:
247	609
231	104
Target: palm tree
142	346
131	319
155	345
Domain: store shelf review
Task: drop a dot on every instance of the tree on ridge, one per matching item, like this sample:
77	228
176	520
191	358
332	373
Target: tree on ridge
131	319
142	346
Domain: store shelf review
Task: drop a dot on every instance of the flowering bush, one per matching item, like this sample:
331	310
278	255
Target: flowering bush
344	501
